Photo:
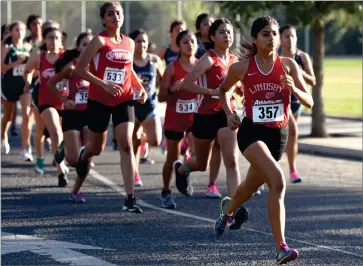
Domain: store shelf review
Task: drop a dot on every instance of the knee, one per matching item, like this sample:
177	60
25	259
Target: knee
72	160
125	147
278	184
96	150
230	161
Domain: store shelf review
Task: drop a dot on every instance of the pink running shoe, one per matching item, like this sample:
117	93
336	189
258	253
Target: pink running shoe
137	181
213	192
144	147
295	178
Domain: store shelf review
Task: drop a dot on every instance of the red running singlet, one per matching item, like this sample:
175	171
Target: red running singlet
212	79
267	101
112	64
78	90
46	72
181	106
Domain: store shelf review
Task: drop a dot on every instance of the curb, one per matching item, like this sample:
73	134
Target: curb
316	149
345	118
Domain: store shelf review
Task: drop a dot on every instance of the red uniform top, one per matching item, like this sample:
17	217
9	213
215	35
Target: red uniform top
267	101
181	106
46	72
212	79
112	64
78	90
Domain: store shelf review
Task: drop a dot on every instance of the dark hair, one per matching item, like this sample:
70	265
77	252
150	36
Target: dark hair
246	50
104	7
50	23
214	27
199	21
64	35
286	27
176	23
30	20
69	55
9	39
180	37
133	35
4	28
44	35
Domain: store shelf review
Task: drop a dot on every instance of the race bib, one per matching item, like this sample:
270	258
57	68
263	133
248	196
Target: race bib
114	75
81	97
18	70
60	85
186	106
268	113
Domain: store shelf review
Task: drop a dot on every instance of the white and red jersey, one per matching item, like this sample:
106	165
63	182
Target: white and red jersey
181	106
212	79
112	64
78	90
266	101
46	72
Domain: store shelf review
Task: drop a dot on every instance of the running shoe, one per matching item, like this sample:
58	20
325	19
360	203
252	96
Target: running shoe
48	141
78	197
130	205
137	181
147	160
39	166
223	220
240	217
286	254
26	155
167	200
183	183
295	178
213	192
260	190
5	146
62	180
59	154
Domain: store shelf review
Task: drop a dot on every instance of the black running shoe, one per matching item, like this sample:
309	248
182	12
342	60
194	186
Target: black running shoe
59	154
147	160
240	217
130	206
183	183
82	167
62	180
167	200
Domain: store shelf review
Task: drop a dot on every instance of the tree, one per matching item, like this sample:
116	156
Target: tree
313	14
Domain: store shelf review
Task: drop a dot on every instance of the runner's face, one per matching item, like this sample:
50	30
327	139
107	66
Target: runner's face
141	43
188	45
288	38
268	38
36	26
18	31
205	25
114	17
54	40
85	41
177	29
223	36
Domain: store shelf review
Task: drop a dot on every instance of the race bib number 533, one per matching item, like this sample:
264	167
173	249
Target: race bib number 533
114	75
268	113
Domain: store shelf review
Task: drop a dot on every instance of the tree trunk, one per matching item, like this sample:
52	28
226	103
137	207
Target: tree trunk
318	128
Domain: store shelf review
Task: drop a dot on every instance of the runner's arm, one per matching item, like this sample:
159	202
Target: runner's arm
189	83
165	84
31	66
4	52
308	72
65	73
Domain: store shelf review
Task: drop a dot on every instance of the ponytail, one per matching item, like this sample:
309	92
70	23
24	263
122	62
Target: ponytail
246	51
67	57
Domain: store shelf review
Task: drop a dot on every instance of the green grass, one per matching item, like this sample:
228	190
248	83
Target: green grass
342	87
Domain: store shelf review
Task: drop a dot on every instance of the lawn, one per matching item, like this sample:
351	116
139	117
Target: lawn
342	91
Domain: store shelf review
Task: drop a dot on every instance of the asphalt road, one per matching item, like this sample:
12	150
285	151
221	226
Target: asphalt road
324	217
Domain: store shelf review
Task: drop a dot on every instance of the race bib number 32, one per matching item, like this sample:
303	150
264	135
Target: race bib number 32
268	113
81	97
19	70
114	75
186	107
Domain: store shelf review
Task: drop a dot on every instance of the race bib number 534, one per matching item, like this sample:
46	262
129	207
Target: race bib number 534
268	113
186	107
114	75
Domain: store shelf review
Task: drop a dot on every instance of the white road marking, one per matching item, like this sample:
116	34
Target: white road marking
59	251
142	203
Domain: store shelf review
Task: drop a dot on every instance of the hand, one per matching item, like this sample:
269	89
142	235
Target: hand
69	104
20	59
214	92
233	121
26	87
113	89
143	96
176	85
288	82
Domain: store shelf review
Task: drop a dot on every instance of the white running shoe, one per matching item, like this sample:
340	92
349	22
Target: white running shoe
5	146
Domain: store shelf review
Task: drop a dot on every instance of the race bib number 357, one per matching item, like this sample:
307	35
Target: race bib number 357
268	113
114	75
186	107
